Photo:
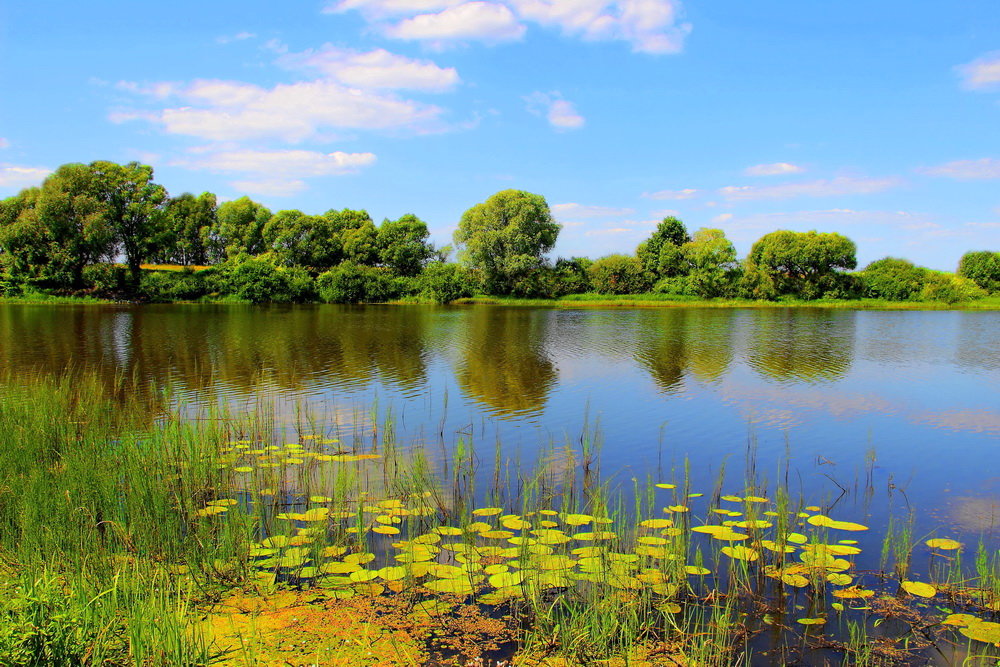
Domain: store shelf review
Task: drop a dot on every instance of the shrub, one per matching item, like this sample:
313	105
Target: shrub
893	279
677	286
354	283
259	281
983	268
619	274
106	279
444	282
948	288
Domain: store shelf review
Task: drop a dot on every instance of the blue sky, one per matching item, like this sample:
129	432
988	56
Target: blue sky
877	120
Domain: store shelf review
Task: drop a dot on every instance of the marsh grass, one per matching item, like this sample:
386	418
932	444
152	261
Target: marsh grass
118	531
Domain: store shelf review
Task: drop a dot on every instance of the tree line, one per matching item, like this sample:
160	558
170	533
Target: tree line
90	229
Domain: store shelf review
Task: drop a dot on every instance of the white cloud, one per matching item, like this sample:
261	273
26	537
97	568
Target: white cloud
4	143
649	26
232	111
686	193
773	169
840	186
381	8
573	210
722	217
276	173
238	37
560	113
832	218
373	69
966	169
481	21
14	176
982	73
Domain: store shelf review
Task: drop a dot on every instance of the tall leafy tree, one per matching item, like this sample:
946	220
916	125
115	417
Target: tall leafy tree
133	206
402	245
238	230
297	239
188	222
711	259
802	263
661	254
504	238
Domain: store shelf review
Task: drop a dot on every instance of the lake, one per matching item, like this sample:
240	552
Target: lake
874	411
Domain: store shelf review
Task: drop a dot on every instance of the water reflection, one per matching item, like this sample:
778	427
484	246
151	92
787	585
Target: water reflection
802	344
504	364
674	341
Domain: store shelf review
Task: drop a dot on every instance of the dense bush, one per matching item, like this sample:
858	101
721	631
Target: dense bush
259	281
983	268
948	288
354	283
106	279
619	274
893	279
444	283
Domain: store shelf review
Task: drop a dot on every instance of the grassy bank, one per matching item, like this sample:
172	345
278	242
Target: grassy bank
225	539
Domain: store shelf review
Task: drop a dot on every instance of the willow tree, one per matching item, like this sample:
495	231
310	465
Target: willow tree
505	238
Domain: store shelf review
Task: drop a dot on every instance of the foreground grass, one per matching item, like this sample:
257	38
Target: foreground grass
227	540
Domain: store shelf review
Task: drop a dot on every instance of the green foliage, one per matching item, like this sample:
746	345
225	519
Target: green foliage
661	253
260	281
711	260
188	224
676	286
297	239
188	285
982	267
107	280
569	276
893	279
798	263
505	237
402	245
354	283
619	274
949	288
443	282
238	229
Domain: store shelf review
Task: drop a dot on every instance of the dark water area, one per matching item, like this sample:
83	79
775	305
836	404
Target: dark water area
900	410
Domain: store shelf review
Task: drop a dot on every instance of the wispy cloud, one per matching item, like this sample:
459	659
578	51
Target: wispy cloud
983	73
686	193
560	113
966	169
16	176
276	172
841	186
238	37
773	169
378	69
471	21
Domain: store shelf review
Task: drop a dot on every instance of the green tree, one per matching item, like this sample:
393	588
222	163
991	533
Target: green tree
982	267
711	259
133	206
619	274
893	279
661	253
402	245
297	239
188	223
801	263
504	238
238	230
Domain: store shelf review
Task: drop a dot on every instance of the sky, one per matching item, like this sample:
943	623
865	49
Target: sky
878	120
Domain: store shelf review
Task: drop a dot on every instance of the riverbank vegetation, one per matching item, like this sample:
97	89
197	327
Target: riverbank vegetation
108	231
135	539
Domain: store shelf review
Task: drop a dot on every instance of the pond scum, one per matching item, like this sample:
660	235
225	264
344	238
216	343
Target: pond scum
226	541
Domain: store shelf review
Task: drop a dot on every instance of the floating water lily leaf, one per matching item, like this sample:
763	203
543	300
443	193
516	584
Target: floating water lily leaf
943	543
275	542
339	568
853	593
827	522
496	568
447	530
676	508
664	485
832	549
696	570
450	586
795	580
363	557
983	631
360	576
656	523
577	519
811	621
710	529
487	511
695	495
755	499
243	469
429	538
813	508
496	534
919	589
796	538
386	530
741	552
770	545
476	527
522	541
393	573
960	620
756	523
548	524
655	541
732	499
597	535
507	579
315	514
839	579
516	523
669	608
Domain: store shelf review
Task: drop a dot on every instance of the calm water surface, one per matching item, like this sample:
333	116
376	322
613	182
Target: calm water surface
918	392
